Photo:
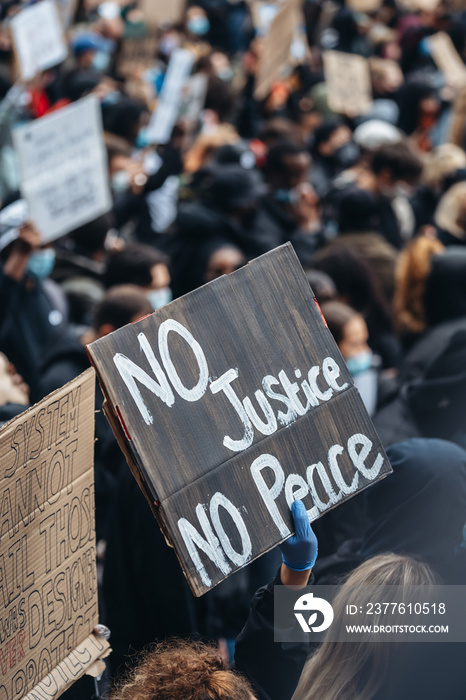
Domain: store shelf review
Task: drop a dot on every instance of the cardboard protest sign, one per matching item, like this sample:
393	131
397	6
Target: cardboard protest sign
364	5
418	5
66	10
156	11
348	83
447	59
276	47
38	38
229	403
166	112
48	580
63	165
137	54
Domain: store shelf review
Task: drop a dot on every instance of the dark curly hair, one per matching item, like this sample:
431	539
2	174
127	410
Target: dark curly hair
183	670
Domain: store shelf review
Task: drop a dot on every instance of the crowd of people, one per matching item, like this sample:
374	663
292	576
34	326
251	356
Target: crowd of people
374	205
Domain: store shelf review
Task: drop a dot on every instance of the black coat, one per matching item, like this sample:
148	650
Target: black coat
30	318
201	228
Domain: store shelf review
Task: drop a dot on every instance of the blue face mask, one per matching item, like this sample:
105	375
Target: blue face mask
142	140
198	25
286	196
101	61
41	264
160	297
359	363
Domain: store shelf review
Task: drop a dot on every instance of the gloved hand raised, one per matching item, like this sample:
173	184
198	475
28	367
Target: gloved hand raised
299	552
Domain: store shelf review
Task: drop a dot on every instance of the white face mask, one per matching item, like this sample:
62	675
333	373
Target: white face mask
120	181
159	297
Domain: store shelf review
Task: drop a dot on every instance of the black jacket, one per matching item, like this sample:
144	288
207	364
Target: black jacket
201	228
29	319
272	667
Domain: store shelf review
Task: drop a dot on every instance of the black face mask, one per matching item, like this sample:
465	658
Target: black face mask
346	156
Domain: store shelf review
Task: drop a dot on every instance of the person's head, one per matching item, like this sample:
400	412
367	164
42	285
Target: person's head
287	166
419	106
143	266
386	76
234	190
222	261
121	305
197	23
125	118
374	133
276	130
441	162
395	165
348	670
333	143
350	333
322	285
445	290
89	239
220	98
357	212
87	46
451	211
355	282
181	669
412	268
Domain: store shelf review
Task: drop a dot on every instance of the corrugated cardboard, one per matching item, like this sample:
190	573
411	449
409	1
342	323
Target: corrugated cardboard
276	47
184	439
48	581
348	83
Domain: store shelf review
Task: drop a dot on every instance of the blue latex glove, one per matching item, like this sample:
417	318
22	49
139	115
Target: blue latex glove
299	552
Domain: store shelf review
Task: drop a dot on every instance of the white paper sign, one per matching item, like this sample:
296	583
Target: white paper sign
166	112
193	97
38	38
63	166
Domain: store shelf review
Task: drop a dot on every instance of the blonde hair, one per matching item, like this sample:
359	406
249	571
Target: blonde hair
357	670
449	208
442	161
412	269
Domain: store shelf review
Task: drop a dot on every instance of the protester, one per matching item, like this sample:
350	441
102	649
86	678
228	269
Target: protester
33	308
412	269
182	670
351	335
407	512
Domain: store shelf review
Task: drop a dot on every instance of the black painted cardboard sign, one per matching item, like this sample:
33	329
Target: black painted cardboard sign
230	403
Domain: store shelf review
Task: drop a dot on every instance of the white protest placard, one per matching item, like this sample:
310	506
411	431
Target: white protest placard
166	112
38	38
348	82
63	165
447	59
193	98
